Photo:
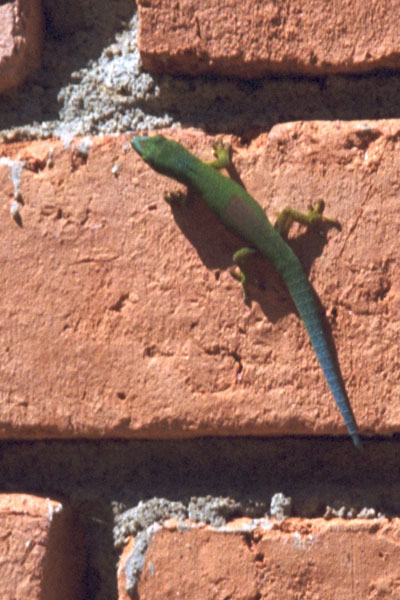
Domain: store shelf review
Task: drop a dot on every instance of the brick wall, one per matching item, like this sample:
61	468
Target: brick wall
159	437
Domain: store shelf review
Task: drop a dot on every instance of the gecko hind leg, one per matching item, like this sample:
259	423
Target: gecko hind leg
244	275
313	217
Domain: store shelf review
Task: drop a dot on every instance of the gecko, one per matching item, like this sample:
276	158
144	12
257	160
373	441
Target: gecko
239	212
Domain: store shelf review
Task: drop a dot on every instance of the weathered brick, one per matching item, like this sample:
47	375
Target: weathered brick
119	317
41	553
290	559
251	39
21	34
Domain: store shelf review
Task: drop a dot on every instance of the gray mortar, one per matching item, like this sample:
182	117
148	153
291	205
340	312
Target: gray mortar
139	518
211	510
91	81
135	563
281	506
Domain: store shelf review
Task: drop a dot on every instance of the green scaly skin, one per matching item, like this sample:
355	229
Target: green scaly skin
243	215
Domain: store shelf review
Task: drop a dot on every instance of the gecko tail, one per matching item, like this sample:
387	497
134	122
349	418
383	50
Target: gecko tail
357	442
303	296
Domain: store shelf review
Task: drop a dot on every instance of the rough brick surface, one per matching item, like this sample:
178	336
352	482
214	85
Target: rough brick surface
294	559
118	316
21	33
40	555
251	39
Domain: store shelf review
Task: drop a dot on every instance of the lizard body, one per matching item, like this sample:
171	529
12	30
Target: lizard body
242	214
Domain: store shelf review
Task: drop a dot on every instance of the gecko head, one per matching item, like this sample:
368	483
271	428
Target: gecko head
163	155
156	150
143	144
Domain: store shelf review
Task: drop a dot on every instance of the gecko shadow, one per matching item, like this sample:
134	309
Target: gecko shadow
216	244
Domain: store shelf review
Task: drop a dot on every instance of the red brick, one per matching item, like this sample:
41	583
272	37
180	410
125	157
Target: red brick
21	34
295	559
40	554
118	316
251	39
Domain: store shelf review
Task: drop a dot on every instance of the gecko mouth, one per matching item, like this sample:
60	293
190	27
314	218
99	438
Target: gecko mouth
138	143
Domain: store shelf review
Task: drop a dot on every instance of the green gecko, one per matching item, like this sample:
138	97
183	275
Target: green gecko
243	215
